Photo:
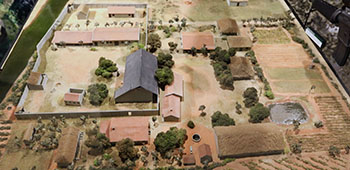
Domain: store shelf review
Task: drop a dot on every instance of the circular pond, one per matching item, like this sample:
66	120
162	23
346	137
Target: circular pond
285	113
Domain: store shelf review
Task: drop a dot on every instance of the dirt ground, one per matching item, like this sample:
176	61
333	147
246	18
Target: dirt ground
74	67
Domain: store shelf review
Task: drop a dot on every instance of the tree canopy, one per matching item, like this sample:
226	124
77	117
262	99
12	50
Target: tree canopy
250	97
258	113
106	68
171	139
98	92
154	42
219	119
127	150
165	60
164	76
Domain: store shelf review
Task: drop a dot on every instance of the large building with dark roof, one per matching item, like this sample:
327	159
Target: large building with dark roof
140	85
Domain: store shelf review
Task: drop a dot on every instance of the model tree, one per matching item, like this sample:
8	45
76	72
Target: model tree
164	75
154	42
96	142
219	119
171	139
98	92
165	60
190	124
106	68
127	150
250	97
258	113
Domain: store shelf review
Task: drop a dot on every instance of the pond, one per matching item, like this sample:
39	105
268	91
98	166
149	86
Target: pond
285	113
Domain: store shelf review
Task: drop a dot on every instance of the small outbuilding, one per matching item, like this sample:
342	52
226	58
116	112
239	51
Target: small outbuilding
237	2
37	81
240	43
83	12
134	128
189	160
74	97
121	11
205	154
228	26
249	140
67	147
241	68
140	85
197	40
171	103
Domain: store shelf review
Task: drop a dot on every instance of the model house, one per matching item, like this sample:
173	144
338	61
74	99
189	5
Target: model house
99	37
74	97
240	43
134	128
37	81
237	2
197	40
121	11
67	147
228	26
171	103
139	85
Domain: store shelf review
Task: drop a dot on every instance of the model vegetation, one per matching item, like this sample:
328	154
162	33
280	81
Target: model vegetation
220	62
154	42
164	74
97	93
258	113
220	119
106	68
250	96
169	140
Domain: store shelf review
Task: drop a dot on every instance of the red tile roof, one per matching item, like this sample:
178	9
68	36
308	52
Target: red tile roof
176	88
171	106
197	40
121	10
73	37
116	34
135	128
73	97
34	78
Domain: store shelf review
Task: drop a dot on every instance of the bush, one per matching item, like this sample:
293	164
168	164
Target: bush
250	97
93	49
219	119
269	94
98	92
232	51
165	60
105	68
296	148
258	113
318	124
171	139
333	151
154	42
190	124
164	76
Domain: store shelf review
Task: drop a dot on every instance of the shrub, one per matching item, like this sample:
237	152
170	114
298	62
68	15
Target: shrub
258	113
250	97
318	124
93	49
105	68
203	114
171	139
333	151
164	76
269	94
165	60
190	124
232	51
296	148
219	119
154	42
201	107
98	92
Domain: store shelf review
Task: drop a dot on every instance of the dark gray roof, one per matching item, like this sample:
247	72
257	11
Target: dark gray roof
140	70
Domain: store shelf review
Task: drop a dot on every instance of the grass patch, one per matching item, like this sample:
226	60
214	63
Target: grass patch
209	10
300	86
271	36
292	73
27	43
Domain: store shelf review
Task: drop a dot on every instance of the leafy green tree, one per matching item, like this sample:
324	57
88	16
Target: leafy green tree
165	60
97	142
105	68
193	51
164	77
171	139
250	97
258	113
219	119
98	92
232	52
127	150
154	42
204	50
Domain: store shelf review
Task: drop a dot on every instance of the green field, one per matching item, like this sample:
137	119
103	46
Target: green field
302	86
271	36
293	74
211	10
27	43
